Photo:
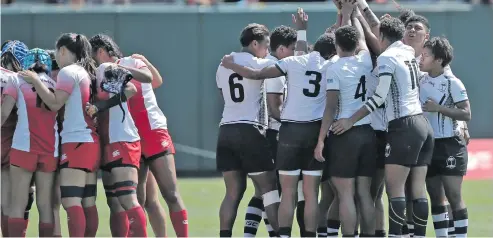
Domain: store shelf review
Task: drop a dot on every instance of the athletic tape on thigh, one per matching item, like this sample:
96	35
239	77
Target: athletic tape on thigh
312	172
71	191
271	197
256	173
90	190
109	190
290	172
301	196
125	188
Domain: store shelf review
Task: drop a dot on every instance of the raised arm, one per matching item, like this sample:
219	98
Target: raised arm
157	79
370	38
356	23
300	20
142	75
346	12
370	17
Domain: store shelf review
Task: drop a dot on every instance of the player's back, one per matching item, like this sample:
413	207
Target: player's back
377	117
111	126
244	99
399	62
9	125
77	125
306	87
348	75
143	105
36	130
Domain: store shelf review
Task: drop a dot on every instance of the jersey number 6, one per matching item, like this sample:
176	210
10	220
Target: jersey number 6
315	82
39	102
233	86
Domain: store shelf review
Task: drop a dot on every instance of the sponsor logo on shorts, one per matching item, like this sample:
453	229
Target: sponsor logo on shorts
64	157
387	150
165	144
116	153
451	162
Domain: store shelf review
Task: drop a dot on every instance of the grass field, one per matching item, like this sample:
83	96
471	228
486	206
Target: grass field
203	196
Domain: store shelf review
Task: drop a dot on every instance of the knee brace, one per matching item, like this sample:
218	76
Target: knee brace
71	191
124	188
90	190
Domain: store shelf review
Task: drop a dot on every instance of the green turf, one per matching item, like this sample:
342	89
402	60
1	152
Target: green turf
203	196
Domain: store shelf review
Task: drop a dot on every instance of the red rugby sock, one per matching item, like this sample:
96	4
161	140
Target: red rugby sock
137	221
180	223
5	226
92	221
46	229
17	227
119	224
76	221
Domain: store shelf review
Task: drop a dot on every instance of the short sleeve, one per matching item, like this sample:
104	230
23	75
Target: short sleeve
65	81
447	71
386	65
283	65
139	64
332	80
218	72
11	89
458	91
275	85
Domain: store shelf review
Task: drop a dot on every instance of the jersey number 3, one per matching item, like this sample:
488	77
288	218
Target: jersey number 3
315	82
39	102
234	86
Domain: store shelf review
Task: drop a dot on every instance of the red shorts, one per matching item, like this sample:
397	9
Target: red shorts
6	145
32	161
121	154
81	155
156	143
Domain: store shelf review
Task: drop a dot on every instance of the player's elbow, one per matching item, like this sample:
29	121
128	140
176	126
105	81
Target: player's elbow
157	82
467	116
130	90
147	76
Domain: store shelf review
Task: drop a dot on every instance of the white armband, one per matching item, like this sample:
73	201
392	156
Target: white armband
301	35
380	94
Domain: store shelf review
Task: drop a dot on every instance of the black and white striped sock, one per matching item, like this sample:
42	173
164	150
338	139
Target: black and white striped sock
253	217
440	220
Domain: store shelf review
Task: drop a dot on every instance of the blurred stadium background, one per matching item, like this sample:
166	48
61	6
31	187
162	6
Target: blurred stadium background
185	40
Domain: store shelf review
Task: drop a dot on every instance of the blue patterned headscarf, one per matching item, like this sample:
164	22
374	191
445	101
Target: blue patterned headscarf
34	55
17	49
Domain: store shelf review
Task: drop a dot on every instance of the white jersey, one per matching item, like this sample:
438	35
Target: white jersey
77	125
111	126
244	99
377	117
306	87
447	71
348	76
399	62
275	86
446	91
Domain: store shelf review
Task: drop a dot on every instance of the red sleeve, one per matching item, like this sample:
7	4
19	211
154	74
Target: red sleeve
10	89
65	81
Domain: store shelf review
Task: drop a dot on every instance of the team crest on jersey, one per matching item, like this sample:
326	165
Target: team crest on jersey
387	150
330	80
443	87
451	162
463	93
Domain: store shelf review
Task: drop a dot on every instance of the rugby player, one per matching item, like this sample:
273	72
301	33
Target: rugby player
76	86
244	119
410	137
445	102
38	155
282	44
350	168
300	116
157	146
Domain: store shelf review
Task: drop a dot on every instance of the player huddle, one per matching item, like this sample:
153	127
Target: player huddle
375	101
68	112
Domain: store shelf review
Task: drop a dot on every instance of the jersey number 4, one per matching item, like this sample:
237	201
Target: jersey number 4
236	86
361	90
413	70
315	82
39	102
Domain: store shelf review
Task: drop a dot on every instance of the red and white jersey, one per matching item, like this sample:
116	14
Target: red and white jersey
144	109
77	125
111	127
36	130
9	126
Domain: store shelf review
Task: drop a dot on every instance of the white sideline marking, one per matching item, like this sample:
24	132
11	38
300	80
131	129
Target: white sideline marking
195	151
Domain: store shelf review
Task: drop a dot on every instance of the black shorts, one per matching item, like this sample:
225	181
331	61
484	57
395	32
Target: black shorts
297	142
409	141
353	153
449	157
381	144
242	147
272	138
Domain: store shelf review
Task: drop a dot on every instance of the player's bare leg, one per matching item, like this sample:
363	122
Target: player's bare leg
118	216
377	193
438	207
89	205
72	184
420	200
333	220
235	183
142	187
395	180
153	206
18	201
267	185
366	206
163	169
311	184
57	202
345	188
289	188
44	197
327	197
453	190
5	196
125	181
